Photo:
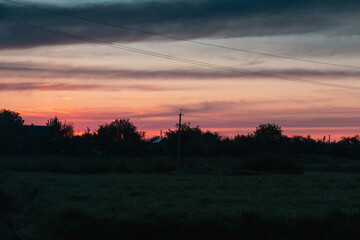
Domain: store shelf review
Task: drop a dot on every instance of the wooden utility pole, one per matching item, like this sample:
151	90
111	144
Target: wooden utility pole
180	114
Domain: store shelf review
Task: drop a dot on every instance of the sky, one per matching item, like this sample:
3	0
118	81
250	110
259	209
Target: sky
43	74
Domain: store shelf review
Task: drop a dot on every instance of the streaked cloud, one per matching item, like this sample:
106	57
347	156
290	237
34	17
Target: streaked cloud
49	86
187	19
26	70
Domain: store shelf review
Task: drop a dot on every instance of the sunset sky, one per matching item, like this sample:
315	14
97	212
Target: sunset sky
44	74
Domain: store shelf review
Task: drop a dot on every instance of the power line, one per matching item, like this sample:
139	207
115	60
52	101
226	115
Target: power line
178	38
174	58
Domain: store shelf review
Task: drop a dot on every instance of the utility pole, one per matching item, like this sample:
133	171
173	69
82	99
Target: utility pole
180	114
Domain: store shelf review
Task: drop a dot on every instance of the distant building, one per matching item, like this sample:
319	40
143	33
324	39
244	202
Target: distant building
37	131
159	140
160	146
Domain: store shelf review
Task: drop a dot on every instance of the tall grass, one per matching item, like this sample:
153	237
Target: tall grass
313	205
92	165
73	223
72	165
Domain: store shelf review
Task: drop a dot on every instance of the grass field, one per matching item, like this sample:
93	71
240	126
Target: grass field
181	204
72	198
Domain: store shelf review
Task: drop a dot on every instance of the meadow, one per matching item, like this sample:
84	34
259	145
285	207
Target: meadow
200	200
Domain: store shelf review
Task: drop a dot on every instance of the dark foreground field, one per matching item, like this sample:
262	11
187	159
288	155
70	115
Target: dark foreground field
196	202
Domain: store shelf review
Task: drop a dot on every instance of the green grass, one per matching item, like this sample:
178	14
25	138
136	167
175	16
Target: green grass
75	165
179	205
223	165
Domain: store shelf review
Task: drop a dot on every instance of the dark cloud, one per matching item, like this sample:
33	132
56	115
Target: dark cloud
26	70
49	86
187	19
44	86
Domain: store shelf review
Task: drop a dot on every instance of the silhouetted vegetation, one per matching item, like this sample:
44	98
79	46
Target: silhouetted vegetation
266	149
60	137
194	141
119	137
11	131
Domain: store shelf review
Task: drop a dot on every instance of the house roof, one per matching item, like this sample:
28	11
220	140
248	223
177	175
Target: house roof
158	140
37	130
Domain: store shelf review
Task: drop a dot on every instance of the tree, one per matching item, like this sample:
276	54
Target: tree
269	131
350	141
120	136
241	145
59	130
61	135
194	141
188	133
11	130
11	119
348	146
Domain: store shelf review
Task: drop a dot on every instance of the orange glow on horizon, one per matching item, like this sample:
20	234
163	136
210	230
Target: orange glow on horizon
79	89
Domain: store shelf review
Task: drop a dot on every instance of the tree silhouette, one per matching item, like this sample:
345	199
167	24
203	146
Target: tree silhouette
194	141
61	135
119	136
270	131
59	130
11	130
352	141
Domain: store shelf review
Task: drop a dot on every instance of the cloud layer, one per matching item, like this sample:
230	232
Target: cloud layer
186	19
231	120
28	70
50	86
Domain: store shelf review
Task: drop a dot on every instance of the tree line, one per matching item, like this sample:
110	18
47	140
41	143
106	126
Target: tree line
121	137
